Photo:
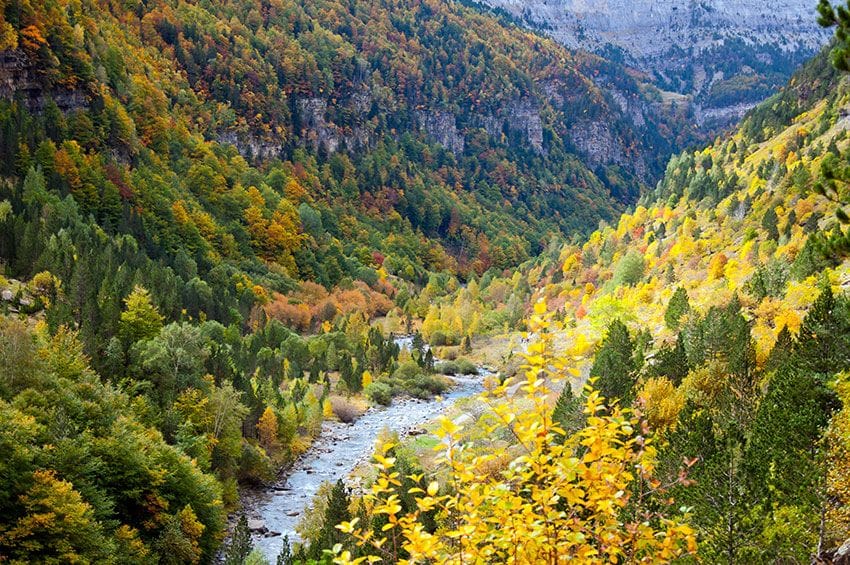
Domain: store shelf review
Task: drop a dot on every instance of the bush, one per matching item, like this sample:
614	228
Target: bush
345	410
407	370
255	467
379	393
438	338
459	367
425	386
630	269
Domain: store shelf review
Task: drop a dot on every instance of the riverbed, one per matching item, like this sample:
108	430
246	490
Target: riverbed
338	450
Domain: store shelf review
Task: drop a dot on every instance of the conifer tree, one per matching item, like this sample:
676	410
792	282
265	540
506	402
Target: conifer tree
240	543
614	364
337	511
676	308
568	413
285	556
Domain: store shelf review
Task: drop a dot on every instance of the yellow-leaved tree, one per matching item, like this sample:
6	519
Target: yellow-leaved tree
578	498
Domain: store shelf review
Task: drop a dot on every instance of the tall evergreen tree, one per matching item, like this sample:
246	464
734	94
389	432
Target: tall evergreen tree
614	364
676	308
337	511
240	545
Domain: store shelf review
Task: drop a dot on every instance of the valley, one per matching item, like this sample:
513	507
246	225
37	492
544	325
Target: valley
424	281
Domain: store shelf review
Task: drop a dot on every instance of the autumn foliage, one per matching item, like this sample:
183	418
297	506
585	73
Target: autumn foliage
579	497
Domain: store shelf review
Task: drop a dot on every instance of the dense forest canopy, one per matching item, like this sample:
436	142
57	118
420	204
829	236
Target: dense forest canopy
214	216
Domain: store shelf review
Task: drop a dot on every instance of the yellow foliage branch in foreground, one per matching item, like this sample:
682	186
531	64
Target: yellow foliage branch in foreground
575	498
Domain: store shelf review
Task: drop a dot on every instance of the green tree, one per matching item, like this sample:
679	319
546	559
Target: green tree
58	526
140	319
614	365
770	223
337	511
240	543
676	308
285	556
672	362
629	270
174	359
568	413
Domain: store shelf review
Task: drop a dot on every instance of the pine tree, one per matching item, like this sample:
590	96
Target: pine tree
569	411
672	362
285	556
614	364
676	308
823	345
770	223
428	361
240	543
337	511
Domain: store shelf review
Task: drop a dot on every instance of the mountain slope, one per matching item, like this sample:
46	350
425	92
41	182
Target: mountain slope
726	56
719	308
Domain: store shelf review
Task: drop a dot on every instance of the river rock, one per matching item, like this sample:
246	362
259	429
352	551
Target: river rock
255	525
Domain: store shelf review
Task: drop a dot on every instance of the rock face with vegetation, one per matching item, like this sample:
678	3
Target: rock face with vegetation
725	55
216	218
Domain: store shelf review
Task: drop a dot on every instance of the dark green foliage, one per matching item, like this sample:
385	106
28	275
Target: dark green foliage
823	345
769	280
630	269
285	556
782	451
240	545
672	362
568	413
723	334
838	16
676	308
336	512
614	364
770	223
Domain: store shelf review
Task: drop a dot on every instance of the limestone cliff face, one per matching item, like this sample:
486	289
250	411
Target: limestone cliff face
726	54
441	127
19	80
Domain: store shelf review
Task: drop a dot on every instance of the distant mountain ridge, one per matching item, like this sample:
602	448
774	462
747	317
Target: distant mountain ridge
727	55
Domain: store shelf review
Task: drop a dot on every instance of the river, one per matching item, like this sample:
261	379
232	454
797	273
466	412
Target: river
334	455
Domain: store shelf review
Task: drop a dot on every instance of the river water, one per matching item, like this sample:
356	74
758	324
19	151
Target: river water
334	455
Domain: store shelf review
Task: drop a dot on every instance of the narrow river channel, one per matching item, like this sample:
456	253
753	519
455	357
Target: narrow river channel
334	455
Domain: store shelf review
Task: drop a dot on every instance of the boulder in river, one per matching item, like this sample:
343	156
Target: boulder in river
258	526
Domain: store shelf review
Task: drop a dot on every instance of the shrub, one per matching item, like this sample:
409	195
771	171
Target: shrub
438	338
459	367
379	393
630	269
345	410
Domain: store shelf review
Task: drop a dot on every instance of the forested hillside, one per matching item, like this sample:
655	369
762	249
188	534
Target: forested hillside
217	154
716	311
213	217
203	206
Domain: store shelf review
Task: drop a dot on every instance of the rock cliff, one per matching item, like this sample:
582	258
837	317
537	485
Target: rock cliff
727	55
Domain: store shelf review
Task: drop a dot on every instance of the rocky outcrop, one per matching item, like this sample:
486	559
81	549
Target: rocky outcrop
318	133
251	146
441	127
688	46
524	116
19	80
595	142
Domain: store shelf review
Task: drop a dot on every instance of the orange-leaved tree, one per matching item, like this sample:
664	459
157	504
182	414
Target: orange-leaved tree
580	497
